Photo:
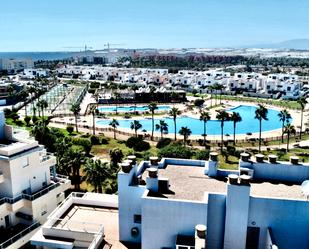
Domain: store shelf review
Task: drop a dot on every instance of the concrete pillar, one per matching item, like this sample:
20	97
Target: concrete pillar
212	164
236	219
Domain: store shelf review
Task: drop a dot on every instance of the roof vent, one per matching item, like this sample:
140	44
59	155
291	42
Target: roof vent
272	158
294	160
153	172
233	179
244	156
213	156
259	158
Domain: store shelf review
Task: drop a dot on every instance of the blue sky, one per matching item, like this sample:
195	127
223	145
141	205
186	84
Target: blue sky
52	25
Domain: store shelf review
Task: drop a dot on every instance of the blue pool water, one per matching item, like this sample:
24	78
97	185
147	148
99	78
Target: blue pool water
131	108
248	123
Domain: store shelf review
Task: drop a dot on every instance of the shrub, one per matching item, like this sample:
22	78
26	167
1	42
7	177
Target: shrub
137	144
163	142
202	155
104	140
91	90
27	120
83	142
34	119
198	102
175	151
94	140
141	146
70	129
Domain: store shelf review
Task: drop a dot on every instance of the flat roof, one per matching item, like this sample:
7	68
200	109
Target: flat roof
190	183
90	218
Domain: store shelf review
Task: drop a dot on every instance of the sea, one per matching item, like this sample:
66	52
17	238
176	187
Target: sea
37	56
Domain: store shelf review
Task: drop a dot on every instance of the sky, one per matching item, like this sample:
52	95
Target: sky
55	25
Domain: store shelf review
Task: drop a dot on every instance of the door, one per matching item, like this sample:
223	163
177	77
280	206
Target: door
253	238
7	221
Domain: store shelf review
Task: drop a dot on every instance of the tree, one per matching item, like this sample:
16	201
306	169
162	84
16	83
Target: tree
205	117
236	118
174	112
39	131
73	160
42	104
185	132
94	112
302	102
284	116
162	127
114	124
116	156
261	114
96	173
136	125
223	116
14	115
75	108
152	107
289	129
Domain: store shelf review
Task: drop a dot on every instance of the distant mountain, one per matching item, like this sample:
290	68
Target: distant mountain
299	44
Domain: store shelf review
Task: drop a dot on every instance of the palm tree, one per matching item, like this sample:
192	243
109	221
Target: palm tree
302	102
174	112
75	108
135	125
185	132
205	117
152	107
116	156
114	123
43	105
288	129
284	116
96	173
94	112
117	96
236	118
162	127
260	114
223	116
39	130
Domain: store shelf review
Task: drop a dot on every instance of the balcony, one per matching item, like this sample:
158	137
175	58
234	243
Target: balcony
59	181
48	160
15	237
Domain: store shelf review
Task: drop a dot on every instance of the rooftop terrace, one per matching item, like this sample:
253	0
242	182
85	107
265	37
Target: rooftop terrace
190	183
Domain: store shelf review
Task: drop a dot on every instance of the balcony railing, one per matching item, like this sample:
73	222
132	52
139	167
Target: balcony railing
31	197
18	236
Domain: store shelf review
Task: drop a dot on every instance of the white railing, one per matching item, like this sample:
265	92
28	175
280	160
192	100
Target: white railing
18	236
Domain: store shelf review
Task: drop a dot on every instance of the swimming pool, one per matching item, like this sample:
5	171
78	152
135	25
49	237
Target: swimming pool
248	123
131	108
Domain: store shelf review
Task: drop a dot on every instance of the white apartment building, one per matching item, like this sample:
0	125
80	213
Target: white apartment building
247	82
187	204
285	84
29	192
31	73
14	65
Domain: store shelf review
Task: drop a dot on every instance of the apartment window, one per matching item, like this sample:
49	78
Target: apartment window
25	162
43	210
137	218
289	88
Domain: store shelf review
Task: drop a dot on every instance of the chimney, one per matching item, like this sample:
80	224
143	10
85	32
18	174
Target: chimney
213	156
272	159
245	157
154	161
259	158
245	179
200	237
294	160
152	181
233	179
126	167
132	158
